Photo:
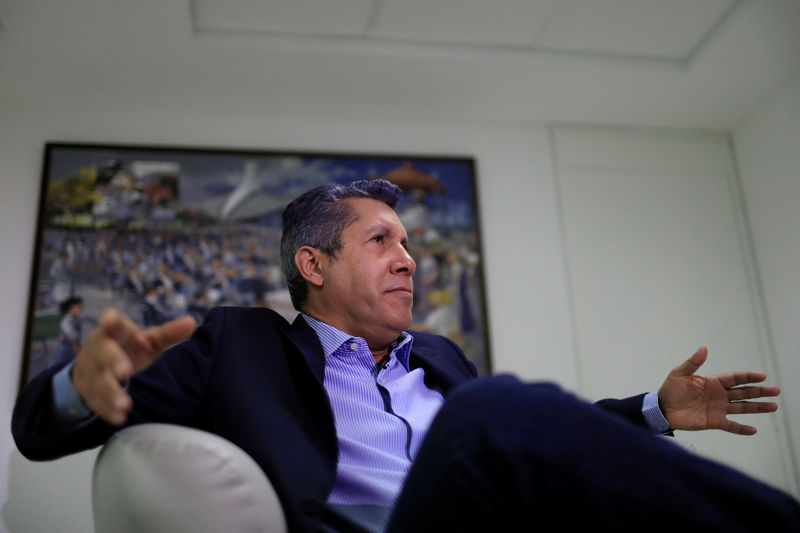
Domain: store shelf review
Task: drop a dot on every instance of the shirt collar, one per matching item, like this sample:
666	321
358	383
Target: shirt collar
332	338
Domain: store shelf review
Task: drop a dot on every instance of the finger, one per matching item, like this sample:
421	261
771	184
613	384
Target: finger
748	393
123	330
114	405
732	379
691	365
99	354
109	356
104	360
162	337
749	408
738	429
107	399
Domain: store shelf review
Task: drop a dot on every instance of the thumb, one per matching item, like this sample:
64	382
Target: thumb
691	365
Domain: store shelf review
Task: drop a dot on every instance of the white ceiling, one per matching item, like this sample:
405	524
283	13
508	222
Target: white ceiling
681	63
649	29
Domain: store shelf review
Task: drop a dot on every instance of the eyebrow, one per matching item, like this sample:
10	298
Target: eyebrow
384	228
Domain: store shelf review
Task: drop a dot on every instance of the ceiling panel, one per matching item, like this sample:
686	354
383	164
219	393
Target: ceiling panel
474	22
331	17
649	28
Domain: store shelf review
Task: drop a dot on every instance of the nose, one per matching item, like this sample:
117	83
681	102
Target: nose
404	263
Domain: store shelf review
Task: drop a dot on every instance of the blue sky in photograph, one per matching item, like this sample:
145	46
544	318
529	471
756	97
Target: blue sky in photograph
207	174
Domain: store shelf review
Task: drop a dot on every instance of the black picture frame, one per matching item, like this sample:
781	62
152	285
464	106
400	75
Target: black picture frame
161	230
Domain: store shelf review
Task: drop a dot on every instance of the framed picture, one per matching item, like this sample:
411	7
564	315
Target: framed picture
159	232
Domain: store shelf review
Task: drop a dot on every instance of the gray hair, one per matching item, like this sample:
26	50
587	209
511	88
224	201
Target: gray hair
317	218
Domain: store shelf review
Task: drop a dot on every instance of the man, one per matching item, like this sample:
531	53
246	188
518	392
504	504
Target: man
69	330
336	406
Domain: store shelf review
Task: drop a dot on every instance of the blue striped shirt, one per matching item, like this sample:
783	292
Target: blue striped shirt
381	412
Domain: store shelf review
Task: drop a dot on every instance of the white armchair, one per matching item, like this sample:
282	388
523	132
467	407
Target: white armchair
164	478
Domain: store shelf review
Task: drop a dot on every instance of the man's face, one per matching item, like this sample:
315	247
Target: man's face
367	288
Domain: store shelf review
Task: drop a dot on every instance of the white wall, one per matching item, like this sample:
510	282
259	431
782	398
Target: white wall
524	263
767	146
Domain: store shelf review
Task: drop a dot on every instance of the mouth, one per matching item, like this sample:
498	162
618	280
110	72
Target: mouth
400	290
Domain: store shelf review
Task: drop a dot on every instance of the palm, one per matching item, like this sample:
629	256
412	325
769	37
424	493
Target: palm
692	402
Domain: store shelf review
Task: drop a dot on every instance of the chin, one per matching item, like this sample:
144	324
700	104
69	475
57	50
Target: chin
400	323
405	324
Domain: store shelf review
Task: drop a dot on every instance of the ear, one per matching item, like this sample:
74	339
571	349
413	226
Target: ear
308	261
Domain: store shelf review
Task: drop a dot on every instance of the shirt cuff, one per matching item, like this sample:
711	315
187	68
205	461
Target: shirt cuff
67	405
652	414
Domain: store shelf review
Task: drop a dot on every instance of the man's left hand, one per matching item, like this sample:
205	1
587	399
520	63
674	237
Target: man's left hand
692	402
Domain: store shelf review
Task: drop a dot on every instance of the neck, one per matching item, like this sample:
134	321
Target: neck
378	355
378	347
379	342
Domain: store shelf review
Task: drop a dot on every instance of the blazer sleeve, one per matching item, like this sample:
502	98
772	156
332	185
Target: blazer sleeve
628	408
170	390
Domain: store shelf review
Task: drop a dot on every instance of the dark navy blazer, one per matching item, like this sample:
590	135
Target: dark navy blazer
249	376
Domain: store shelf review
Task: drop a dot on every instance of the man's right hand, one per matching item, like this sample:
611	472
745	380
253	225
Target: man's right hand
114	352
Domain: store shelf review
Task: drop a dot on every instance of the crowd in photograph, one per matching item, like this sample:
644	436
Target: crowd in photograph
156	274
167	273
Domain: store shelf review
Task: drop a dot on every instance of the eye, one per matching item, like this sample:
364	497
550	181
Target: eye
378	239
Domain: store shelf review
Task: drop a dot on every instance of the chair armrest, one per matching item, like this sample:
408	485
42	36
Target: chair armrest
165	478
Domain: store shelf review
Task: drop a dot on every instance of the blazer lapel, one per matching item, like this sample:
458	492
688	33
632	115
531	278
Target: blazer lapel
441	374
307	342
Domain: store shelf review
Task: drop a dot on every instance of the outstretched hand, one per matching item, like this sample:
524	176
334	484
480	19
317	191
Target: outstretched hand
115	351
692	402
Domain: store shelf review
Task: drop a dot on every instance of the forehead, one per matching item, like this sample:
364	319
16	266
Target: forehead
371	213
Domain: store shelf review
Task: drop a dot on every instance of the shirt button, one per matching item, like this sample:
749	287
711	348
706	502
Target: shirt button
384	381
354	346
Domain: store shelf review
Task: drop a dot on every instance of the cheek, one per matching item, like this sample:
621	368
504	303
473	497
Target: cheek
367	276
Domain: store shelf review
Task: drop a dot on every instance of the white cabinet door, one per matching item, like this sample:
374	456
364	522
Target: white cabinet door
658	265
